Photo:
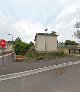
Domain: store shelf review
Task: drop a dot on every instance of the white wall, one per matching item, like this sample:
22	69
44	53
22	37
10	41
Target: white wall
51	43
40	43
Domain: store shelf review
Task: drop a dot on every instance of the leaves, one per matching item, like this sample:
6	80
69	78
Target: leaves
77	34
20	47
69	42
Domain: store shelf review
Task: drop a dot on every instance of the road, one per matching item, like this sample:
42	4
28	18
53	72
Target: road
48	81
14	67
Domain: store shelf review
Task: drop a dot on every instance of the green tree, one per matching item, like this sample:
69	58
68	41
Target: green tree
53	33
69	42
20	47
31	43
18	39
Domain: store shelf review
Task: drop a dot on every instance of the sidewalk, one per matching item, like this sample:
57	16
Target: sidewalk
15	67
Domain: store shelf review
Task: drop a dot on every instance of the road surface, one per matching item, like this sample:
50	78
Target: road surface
14	67
48	81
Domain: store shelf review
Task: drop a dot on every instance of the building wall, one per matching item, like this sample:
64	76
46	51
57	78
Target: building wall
51	43
40	43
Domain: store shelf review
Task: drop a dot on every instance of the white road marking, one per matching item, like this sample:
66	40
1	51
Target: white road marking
64	64
34	71
70	63
0	56
75	63
39	68
44	67
60	65
49	66
55	66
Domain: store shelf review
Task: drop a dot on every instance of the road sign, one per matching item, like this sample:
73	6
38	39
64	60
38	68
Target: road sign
3	43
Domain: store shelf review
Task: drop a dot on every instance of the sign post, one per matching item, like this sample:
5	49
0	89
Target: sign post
3	45
3	58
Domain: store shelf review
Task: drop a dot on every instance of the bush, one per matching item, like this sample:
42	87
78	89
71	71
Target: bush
20	48
44	56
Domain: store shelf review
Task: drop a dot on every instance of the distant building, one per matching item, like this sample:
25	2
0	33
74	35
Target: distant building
61	45
46	42
74	49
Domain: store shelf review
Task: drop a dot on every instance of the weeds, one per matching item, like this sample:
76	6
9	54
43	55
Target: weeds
33	55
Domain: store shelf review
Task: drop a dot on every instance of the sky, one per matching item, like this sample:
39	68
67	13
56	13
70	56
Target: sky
25	18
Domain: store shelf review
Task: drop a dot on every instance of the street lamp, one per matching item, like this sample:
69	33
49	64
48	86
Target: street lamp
12	42
45	39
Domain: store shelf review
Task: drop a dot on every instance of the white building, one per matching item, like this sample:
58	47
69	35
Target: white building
46	42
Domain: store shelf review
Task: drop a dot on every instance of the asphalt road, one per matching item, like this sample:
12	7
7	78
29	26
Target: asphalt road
13	67
48	81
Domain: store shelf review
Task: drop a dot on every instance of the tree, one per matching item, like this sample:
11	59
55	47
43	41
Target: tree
20	47
77	33
69	42
53	33
18	39
31	43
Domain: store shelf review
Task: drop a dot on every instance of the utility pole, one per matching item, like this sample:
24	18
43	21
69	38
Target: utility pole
45	39
12	42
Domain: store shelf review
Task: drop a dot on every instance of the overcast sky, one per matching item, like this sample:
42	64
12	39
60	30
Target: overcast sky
25	18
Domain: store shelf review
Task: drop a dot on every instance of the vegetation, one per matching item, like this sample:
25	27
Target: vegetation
69	42
77	33
54	33
18	40
21	47
36	56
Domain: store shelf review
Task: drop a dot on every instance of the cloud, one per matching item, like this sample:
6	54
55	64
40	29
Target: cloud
25	18
65	20
26	30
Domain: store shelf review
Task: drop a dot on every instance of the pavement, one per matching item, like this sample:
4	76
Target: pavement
48	81
14	67
58	75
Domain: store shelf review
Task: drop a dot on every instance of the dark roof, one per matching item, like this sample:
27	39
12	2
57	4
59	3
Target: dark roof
47	34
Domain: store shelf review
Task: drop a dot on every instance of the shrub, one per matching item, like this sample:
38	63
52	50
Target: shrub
44	56
20	48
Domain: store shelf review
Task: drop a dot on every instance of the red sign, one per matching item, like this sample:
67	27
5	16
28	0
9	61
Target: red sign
3	43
